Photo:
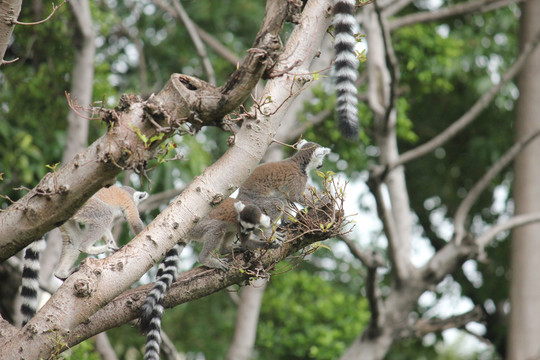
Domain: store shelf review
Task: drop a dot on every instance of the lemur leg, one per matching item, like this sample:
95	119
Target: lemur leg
95	231
109	241
212	242
70	230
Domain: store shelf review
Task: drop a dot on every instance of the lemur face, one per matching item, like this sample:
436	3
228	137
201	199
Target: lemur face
250	217
317	157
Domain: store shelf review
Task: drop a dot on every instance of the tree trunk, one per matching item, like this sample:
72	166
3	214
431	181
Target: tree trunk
524	292
246	322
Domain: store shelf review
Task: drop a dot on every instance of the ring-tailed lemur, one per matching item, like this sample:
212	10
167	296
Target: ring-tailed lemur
273	184
99	214
215	231
346	67
266	191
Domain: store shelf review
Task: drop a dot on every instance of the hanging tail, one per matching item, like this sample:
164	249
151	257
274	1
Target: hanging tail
30	279
346	67
152	310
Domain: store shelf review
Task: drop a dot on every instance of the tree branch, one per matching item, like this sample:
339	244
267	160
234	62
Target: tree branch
463	210
199	46
459	9
423	327
391	64
513	222
473	112
54	8
193	285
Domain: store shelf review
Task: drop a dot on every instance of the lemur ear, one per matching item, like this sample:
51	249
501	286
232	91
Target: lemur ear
239	206
139	196
264	221
301	143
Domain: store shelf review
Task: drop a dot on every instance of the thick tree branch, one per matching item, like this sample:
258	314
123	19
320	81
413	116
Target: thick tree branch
196	283
462	212
473	112
459	9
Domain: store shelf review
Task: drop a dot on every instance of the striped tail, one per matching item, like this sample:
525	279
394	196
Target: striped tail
30	279
346	67
152	310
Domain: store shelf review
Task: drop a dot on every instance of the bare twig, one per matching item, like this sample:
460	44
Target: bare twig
54	8
168	348
459	9
465	206
423	327
391	63
513	222
395	7
218	47
389	225
199	46
369	260
473	112
206	37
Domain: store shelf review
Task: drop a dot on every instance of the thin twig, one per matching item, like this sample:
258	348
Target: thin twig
194	35
513	222
473	112
391	63
459	9
465	206
369	261
16	22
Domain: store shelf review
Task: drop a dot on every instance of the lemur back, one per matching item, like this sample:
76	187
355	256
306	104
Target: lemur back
273	184
100	213
215	231
346	67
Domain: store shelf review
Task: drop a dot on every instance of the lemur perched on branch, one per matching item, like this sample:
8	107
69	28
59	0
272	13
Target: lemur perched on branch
99	214
215	231
261	201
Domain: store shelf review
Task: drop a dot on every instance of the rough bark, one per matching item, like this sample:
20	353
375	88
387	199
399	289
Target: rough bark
524	292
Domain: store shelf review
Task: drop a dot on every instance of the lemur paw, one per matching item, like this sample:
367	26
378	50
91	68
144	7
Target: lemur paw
220	264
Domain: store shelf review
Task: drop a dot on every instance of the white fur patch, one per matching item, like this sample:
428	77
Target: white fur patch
239	206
